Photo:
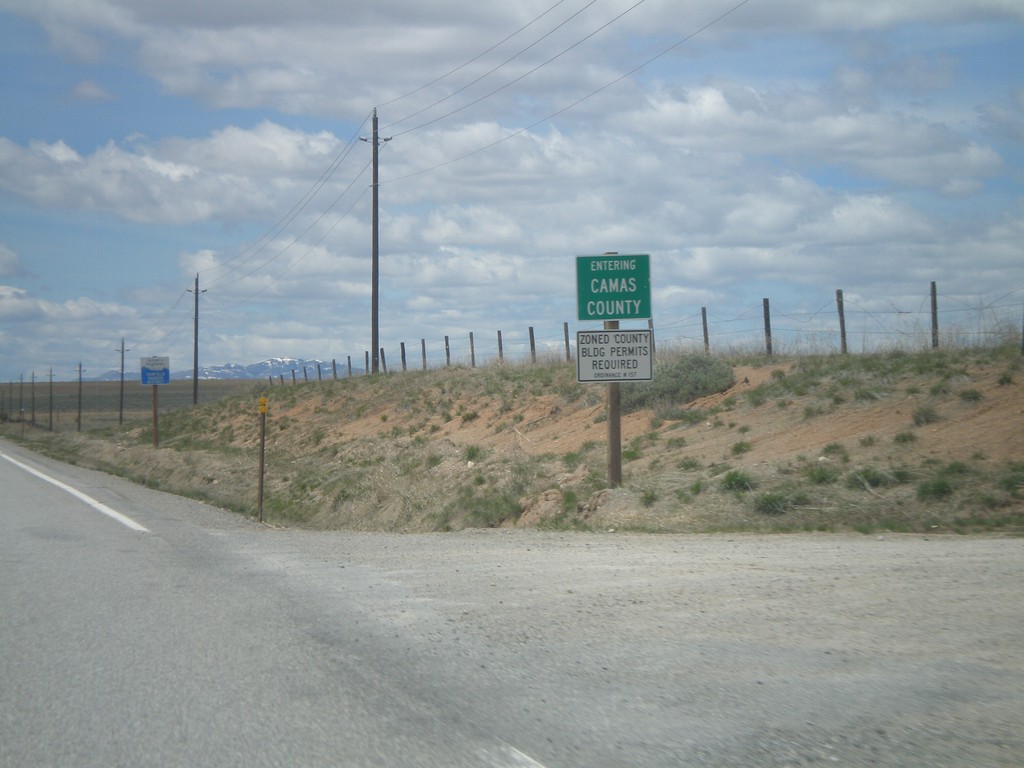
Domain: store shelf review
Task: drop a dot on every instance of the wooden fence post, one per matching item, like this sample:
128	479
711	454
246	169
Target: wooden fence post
767	329
704	322
842	321
501	351
935	317
423	351
366	362
650	327
334	367
472	351
349	366
533	347
319	376
447	353
383	362
568	353
403	356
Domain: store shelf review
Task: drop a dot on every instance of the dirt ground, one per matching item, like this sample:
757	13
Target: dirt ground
716	650
995	425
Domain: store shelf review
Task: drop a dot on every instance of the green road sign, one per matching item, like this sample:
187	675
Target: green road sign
613	287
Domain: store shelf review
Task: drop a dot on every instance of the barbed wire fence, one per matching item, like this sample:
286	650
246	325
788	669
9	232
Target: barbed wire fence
838	326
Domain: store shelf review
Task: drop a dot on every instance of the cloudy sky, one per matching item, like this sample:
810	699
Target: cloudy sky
755	149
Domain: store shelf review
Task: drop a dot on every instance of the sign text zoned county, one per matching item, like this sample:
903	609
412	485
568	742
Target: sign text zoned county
614	355
613	287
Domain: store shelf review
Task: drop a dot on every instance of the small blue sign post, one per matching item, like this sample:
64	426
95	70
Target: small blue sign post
155	371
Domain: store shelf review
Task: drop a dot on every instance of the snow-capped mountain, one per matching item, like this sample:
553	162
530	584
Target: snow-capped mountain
275	366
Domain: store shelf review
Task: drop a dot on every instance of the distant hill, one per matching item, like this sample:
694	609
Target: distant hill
275	366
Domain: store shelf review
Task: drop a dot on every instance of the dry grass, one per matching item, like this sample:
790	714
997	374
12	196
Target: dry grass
827	442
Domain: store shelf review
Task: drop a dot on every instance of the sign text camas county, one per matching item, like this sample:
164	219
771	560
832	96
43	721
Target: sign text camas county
613	287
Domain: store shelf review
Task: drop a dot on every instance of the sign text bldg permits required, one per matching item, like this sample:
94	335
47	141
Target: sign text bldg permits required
613	287
613	355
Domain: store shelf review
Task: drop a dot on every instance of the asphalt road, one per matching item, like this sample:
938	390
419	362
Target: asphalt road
208	640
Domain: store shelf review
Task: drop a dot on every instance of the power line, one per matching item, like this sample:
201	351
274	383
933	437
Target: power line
264	240
261	244
341	217
153	332
530	72
572	105
312	224
479	56
499	66
307	198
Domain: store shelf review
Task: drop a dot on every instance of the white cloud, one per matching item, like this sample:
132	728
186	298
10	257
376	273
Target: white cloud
472	225
862	159
177	181
90	90
312	56
10	264
18	305
1006	118
15	305
867	219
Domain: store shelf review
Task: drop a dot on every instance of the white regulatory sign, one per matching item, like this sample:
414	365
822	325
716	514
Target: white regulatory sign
619	355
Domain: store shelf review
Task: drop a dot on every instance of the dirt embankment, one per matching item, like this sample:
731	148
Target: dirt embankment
846	445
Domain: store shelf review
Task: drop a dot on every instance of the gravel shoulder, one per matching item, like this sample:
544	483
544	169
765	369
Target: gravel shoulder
612	649
704	650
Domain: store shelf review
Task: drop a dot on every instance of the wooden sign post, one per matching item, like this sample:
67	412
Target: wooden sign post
156	371
611	287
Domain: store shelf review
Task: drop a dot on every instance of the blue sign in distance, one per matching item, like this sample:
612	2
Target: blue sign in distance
156	370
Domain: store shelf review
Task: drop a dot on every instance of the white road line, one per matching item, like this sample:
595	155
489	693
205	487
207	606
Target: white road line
507	756
97	505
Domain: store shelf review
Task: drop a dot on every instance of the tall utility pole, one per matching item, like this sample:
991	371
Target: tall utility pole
79	396
375	253
195	346
120	407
